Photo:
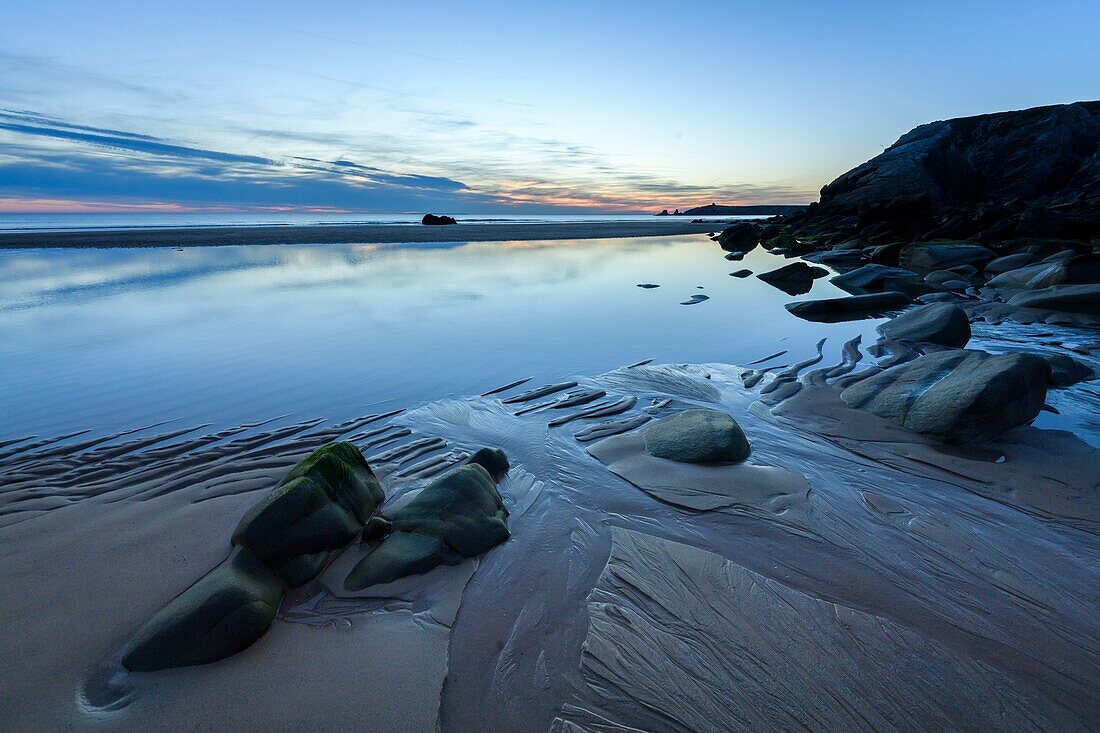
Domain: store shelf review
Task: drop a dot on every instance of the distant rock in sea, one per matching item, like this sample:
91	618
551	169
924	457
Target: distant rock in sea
761	210
433	220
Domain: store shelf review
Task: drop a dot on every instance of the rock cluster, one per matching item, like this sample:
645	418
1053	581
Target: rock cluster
290	535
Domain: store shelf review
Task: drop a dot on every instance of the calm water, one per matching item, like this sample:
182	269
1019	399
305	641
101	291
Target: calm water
113	339
64	222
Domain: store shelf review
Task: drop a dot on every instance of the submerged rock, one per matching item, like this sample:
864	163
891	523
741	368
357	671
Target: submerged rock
939	323
849	309
697	436
433	220
958	396
222	614
459	515
1066	298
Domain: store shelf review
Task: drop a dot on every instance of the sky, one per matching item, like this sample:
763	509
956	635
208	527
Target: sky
500	105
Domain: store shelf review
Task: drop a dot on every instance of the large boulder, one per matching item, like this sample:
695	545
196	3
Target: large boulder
697	436
223	613
875	279
850	308
1065	298
740	237
958	396
927	257
939	323
794	279
319	506
459	515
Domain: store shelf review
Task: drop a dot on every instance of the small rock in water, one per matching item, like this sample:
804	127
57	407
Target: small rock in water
433	220
648	286
741	273
696	299
697	436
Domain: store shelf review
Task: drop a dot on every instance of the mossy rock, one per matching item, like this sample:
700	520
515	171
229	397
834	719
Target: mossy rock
223	613
697	436
346	477
295	518
318	507
457	516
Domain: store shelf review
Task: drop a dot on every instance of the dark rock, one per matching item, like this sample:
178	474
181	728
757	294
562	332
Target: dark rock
958	396
886	254
794	279
697	436
940	323
459	515
696	299
1065	371
735	256
741	273
938	298
1009	262
849	309
648	286
319	506
927	257
875	278
1039	275
1065	298
1033	172
222	614
947	280
664	212
433	220
376	528
740	237
835	257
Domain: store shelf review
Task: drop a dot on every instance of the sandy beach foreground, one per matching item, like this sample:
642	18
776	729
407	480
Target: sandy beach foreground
351	234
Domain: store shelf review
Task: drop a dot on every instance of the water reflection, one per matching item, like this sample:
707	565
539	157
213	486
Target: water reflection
108	339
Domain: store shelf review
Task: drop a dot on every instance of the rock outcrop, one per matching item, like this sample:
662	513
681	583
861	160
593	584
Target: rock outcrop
740	237
958	396
794	279
1034	172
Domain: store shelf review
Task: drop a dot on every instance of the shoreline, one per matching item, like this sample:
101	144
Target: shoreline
349	234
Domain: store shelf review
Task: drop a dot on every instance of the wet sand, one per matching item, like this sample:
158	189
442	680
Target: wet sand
352	234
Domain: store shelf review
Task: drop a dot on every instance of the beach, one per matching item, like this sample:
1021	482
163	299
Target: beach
352	234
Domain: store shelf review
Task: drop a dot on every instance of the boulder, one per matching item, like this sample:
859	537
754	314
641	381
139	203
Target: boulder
697	436
927	257
222	614
794	279
849	309
318	507
939	323
1065	371
740	237
457	516
741	273
875	279
1009	262
1064	298
433	220
946	280
958	396
1039	275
